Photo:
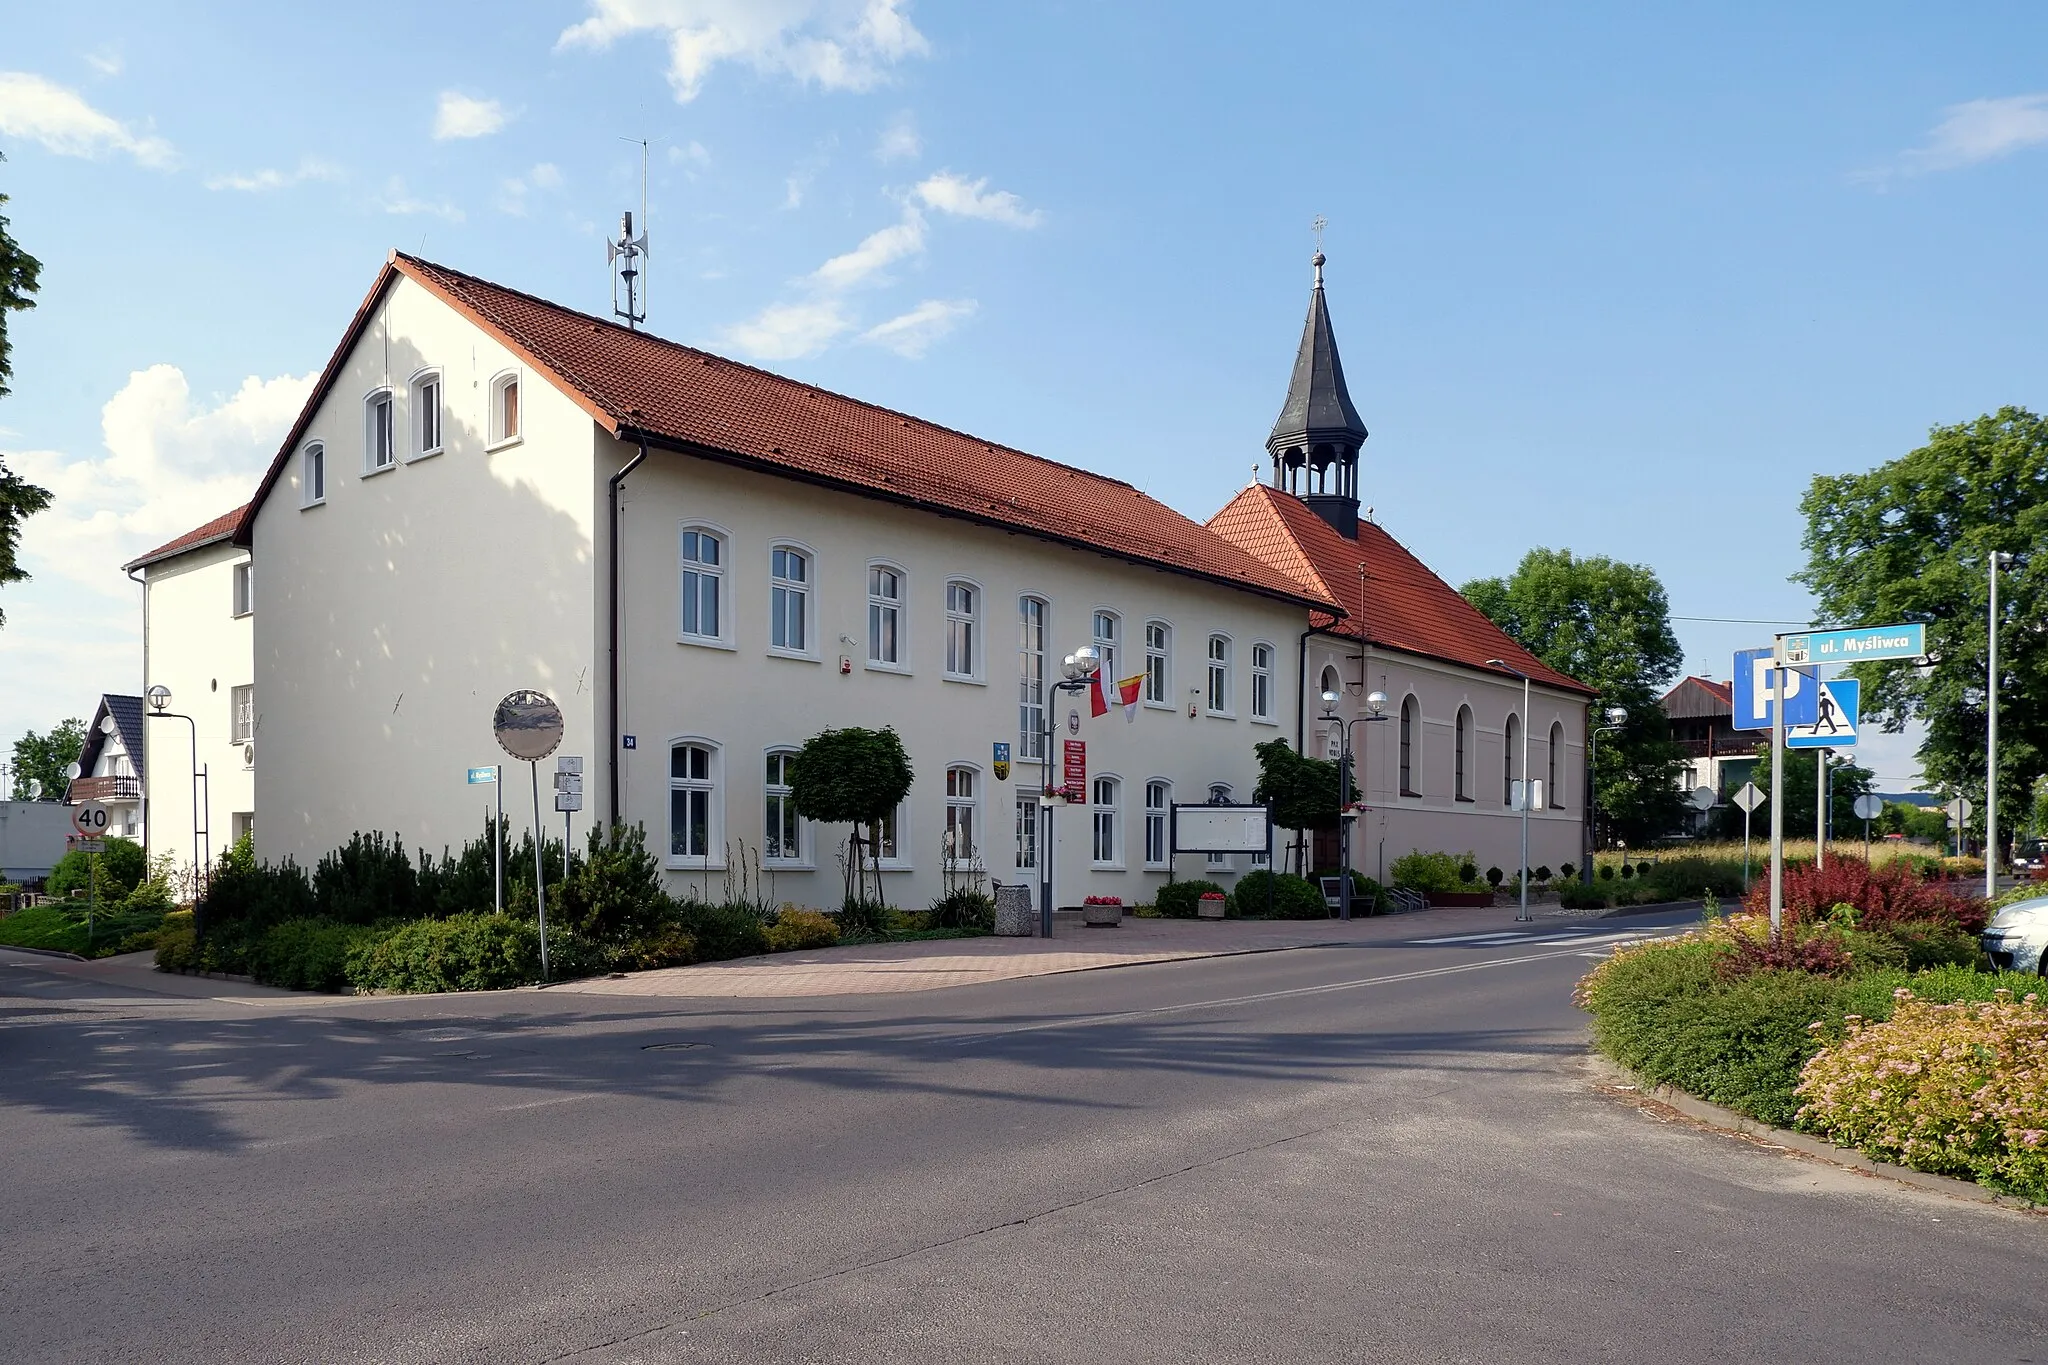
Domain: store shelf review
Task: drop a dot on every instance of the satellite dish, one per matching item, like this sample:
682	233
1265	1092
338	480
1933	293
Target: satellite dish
108	725
1703	798
73	772
35	789
528	725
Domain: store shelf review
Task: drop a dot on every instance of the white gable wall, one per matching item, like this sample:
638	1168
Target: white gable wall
194	644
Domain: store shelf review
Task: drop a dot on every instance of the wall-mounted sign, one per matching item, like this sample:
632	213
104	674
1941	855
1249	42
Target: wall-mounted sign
1001	761
1076	770
482	777
1073	722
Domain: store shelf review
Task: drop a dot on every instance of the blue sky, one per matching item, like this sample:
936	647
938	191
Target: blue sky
1615	277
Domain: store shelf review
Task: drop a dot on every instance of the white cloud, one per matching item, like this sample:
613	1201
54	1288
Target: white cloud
1972	132
877	252
692	155
833	44
955	194
309	168
900	141
106	61
512	192
396	200
912	334
167	464
787	331
458	116
42	111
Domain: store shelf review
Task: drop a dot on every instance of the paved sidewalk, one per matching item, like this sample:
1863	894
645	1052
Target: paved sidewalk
891	967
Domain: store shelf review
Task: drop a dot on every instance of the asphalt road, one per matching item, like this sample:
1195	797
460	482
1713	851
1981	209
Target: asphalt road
1388	1154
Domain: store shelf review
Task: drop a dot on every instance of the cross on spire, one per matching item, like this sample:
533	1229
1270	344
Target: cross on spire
1317	228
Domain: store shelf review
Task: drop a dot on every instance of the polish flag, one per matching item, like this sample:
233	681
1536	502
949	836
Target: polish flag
1098	703
1127	693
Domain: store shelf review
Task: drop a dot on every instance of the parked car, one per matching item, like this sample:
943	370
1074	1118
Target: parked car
2030	859
2017	936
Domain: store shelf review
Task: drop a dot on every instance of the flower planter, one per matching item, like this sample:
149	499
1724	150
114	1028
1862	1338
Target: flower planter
1102	912
1211	907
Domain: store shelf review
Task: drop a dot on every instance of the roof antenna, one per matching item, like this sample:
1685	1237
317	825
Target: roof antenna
633	252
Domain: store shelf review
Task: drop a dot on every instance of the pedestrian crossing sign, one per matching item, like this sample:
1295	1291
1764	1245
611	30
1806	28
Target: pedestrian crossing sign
1836	718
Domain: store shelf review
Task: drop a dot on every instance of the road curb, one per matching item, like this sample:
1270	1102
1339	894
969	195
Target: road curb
43	952
1693	1107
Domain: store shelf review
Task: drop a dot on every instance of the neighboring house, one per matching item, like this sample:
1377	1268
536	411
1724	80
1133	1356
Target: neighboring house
1435	772
32	838
1717	755
198	640
439	529
111	765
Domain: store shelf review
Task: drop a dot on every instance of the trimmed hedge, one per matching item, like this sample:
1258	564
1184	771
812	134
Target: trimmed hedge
1182	900
1293	897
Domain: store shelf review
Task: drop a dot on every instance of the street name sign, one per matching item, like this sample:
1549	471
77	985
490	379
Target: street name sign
482	776
1862	645
1838	707
1751	692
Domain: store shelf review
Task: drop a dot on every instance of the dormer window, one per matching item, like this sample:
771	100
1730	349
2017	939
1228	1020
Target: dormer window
504	414
380	444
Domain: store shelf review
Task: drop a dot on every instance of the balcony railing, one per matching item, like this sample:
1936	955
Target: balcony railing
105	789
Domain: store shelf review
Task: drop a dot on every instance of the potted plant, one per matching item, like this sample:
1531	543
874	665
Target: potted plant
1212	905
1102	912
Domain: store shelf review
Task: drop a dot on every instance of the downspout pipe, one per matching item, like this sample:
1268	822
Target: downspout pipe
612	622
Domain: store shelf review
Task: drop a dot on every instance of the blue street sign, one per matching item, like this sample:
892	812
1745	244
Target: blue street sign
483	776
1857	646
1752	692
1837	716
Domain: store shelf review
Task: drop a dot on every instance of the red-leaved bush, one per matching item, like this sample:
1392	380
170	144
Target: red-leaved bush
1790	949
1887	895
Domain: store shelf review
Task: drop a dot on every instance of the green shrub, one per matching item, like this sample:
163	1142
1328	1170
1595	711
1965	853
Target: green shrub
1494	877
459	953
256	896
963	907
1627	871
1182	900
1566	871
859	917
723	931
1578	896
1419	871
367	880
304	954
120	868
1607	873
1692	877
614	895
1468	871
1293	897
177	943
669	946
796	930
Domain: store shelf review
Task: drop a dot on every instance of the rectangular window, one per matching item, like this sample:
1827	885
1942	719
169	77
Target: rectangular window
888	844
1158	660
790	594
1219	675
1262	682
313	475
1027	831
426	398
241	825
885	617
960	805
1107	630
1107	851
243	727
1031	679
505	410
963	651
379	443
703	577
691	787
1157	796
783	835
245	588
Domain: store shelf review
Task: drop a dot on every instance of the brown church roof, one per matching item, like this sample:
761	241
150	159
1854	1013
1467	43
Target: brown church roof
1695	696
1400	604
639	386
220	528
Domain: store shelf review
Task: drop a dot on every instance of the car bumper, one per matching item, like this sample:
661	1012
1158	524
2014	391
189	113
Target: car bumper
2013	952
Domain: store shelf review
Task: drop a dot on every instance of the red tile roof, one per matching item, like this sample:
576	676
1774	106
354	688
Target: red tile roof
1400	604
639	386
220	528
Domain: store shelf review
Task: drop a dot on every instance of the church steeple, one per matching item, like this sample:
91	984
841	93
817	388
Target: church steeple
1315	442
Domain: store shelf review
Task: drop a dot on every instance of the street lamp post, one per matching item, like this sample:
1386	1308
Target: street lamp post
1999	558
1080	668
1616	717
1375	704
1521	914
159	705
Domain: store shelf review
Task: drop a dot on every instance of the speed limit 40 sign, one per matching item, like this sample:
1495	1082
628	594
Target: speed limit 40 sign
89	818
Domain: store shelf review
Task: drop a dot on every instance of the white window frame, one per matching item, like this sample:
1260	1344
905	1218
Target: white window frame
420	411
966	624
312	474
242	581
372	433
1262	682
1106	633
892	831
1028	817
974	860
1156	822
897	609
804	588
779	792
1030	736
1106	818
242	714
722	593
713	784
1158	689
1219	667
497	438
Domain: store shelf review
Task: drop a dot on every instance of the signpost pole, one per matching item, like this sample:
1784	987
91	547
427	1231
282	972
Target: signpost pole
1745	850
1991	747
1820	810
498	840
540	894
1778	784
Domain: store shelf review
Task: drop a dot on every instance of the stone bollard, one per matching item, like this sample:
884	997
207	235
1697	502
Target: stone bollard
1016	916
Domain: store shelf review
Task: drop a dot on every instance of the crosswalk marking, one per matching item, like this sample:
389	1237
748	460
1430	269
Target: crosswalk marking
1477	938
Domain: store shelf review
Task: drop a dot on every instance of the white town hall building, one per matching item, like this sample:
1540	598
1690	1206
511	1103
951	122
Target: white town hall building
705	564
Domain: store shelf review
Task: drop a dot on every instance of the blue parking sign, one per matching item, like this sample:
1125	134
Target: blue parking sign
1752	692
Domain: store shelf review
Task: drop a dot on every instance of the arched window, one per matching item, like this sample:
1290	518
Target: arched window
1158	663
694	807
1108	635
1262	681
703	583
963	630
1510	758
426	414
1105	807
1158	796
962	822
1553	795
1031	613
504	415
313	475
1462	765
1331	683
380	437
783	831
1408	747
789	599
1219	675
885	616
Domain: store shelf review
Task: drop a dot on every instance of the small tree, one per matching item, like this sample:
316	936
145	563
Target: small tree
852	777
1301	790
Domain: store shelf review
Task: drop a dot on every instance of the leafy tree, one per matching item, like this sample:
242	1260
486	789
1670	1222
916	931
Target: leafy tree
20	274
1802	797
1608	624
43	758
1301	790
1911	541
117	870
853	777
1914	822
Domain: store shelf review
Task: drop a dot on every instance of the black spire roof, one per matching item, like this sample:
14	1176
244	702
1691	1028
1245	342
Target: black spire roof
1318	409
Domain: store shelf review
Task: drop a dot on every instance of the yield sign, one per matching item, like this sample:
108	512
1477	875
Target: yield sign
1836	716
